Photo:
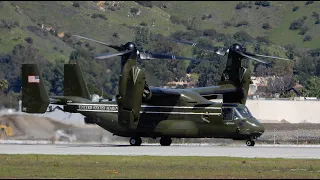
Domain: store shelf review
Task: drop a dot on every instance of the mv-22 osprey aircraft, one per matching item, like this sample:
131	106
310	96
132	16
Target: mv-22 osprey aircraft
142	111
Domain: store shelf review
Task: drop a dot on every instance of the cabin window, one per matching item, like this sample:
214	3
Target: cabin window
227	114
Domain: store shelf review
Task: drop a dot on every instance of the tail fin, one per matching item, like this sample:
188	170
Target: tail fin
74	84
34	96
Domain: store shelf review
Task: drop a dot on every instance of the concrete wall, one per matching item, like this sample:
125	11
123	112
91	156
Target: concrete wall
292	111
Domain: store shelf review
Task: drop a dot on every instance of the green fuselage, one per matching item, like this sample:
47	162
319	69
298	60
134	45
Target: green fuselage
180	114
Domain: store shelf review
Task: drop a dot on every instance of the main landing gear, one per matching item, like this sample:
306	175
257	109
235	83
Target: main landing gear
135	141
250	142
165	141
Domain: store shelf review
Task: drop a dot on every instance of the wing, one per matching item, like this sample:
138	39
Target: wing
211	92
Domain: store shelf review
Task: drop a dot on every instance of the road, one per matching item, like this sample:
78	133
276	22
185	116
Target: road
258	151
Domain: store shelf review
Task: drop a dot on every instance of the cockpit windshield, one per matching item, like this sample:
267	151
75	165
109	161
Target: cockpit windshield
235	112
244	112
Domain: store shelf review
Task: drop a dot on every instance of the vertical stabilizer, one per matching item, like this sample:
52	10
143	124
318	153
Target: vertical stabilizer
34	96
74	84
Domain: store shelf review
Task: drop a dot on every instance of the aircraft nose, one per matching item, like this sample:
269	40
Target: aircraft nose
261	128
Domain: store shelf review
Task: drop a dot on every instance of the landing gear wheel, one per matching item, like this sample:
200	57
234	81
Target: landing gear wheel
135	141
250	143
165	141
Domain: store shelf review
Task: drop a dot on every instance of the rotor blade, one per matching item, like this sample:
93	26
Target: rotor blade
108	55
252	58
149	55
274	57
118	48
219	51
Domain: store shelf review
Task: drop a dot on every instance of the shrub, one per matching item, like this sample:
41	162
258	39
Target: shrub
221	37
242	37
239	6
297	24
303	30
243	5
134	11
295	8
188	36
145	3
266	26
29	40
53	32
227	24
314	52
7	24
116	35
263	40
143	24
315	15
242	23
55	48
210	32
204	17
112	8
175	20
38	31
262	3
75	4
308	2
307	38
101	16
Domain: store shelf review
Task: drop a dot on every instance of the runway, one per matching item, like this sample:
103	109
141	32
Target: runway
258	151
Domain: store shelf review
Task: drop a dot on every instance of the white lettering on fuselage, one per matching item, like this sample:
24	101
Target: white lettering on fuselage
98	107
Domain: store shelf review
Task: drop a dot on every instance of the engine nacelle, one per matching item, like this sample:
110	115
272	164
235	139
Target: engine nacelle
132	90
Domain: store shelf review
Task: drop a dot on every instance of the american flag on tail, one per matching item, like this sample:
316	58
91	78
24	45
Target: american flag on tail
33	79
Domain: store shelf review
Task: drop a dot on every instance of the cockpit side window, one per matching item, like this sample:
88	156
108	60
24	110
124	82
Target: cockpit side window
227	114
244	111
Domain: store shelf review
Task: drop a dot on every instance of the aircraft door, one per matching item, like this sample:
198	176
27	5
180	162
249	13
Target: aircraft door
129	99
228	118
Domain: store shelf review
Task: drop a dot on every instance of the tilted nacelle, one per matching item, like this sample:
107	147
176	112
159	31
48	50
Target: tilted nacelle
131	92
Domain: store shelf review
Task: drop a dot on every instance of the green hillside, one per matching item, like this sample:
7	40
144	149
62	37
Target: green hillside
62	16
262	26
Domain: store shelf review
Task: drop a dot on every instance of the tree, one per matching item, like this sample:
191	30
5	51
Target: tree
307	38
295	8
275	85
304	69
75	4
266	26
209	71
313	87
3	85
297	24
21	54
243	37
142	38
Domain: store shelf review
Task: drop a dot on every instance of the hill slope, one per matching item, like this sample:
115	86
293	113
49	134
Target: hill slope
121	16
